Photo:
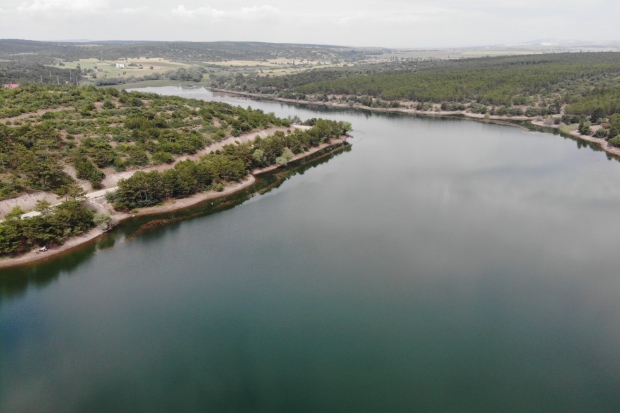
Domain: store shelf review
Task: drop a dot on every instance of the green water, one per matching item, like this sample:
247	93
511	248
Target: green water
436	265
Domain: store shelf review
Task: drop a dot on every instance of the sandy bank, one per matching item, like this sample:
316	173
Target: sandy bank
604	145
111	179
371	109
168	206
506	120
28	201
35	256
183	203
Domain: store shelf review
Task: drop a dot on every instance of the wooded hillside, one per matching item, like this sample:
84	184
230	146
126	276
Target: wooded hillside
43	128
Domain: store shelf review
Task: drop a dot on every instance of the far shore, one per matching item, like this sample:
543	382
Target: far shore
169	206
179	204
504	120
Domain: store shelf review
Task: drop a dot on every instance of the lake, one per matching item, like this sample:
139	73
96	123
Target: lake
436	265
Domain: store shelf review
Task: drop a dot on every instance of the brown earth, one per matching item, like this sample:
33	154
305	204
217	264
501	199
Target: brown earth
102	205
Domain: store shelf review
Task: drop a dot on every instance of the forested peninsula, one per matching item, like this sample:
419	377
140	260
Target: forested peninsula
75	159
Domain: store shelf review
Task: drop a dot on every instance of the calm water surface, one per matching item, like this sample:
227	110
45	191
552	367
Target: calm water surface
436	266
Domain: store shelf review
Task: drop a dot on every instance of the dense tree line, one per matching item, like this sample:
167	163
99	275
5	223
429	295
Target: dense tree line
533	86
54	226
496	81
599	102
542	83
232	163
194	74
43	128
29	72
487	84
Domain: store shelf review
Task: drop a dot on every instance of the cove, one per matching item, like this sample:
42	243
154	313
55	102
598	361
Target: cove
440	265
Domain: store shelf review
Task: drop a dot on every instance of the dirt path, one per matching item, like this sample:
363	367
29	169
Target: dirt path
111	179
92	235
534	120
30	114
385	110
98	201
26	202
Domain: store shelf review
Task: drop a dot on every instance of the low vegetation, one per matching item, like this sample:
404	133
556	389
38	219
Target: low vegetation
53	226
232	163
194	74
29	72
47	131
159	62
96	131
50	52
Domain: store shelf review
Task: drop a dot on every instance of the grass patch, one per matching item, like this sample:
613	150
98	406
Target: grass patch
569	128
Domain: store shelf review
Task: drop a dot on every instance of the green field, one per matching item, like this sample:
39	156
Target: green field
108	67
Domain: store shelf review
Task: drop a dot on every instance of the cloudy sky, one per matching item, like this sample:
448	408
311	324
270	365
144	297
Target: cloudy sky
391	23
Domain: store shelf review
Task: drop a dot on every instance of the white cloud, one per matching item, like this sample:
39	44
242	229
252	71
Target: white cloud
245	13
130	10
82	6
391	23
391	16
181	11
258	12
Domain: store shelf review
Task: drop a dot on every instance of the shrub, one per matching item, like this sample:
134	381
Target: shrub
601	133
162	157
584	128
86	170
102	220
533	111
514	112
451	106
615	141
478	108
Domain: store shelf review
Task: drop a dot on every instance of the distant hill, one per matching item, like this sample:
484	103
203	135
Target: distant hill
48	52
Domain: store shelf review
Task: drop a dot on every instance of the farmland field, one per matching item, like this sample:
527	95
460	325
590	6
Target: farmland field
142	66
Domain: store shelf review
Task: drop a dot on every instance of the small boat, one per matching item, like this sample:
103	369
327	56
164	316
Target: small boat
43	248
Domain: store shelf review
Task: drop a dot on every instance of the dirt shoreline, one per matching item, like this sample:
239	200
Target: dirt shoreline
169	206
500	120
196	199
28	201
371	109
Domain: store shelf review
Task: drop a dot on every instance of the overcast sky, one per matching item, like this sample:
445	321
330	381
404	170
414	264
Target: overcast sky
390	23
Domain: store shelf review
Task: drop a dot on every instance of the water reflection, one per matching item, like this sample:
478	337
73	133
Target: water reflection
443	265
15	282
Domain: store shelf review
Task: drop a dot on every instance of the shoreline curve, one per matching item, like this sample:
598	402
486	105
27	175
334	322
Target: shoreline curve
499	120
86	238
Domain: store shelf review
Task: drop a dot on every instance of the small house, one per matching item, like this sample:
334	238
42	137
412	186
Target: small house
120	65
100	70
11	86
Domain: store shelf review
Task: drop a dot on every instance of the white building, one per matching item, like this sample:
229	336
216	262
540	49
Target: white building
120	65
